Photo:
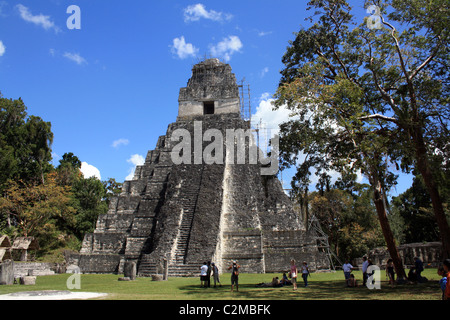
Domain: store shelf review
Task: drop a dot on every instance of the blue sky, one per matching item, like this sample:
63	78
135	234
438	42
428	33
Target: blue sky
110	89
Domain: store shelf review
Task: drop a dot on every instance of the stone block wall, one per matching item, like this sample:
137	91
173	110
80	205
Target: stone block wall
99	263
190	213
430	253
22	269
280	247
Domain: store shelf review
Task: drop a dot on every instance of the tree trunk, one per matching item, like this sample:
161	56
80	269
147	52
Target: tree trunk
436	201
385	227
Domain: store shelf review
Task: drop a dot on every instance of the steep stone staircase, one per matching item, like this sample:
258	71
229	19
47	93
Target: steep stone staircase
177	265
190	199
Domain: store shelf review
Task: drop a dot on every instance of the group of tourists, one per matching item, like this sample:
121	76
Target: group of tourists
206	270
294	272
210	268
414	274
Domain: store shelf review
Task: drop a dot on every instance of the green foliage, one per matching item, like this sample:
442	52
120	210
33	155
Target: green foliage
57	206
414	212
25	143
347	215
36	210
88	199
368	99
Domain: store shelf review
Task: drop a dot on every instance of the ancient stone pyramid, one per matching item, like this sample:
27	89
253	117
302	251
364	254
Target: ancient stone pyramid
196	211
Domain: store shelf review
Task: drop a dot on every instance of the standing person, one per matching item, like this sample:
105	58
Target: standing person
234	275
447	286
390	273
443	281
203	273
419	268
305	273
208	275
347	268
293	274
215	272
365	265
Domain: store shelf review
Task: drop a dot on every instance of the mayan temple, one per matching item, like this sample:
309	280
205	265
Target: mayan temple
214	208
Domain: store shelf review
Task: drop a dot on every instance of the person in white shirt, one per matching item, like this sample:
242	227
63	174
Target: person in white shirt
305	273
347	268
365	265
204	275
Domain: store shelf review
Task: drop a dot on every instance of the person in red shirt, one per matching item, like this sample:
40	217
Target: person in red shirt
447	288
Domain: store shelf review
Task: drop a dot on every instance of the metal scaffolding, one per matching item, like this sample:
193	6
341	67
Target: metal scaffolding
246	108
321	239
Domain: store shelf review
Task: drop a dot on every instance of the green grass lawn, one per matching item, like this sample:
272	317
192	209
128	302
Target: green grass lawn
322	286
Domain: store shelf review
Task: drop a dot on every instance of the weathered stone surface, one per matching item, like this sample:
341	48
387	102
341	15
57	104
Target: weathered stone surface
430	253
99	263
129	270
157	277
73	269
124	279
28	280
35	268
200	211
7	272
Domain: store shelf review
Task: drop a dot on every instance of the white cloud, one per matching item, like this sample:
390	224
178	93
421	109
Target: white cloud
135	160
227	47
90	171
2	48
264	33
182	49
270	118
264	71
198	11
75	57
39	20
119	142
2	5
269	121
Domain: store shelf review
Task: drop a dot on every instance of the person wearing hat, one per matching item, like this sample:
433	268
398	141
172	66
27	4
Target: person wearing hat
234	275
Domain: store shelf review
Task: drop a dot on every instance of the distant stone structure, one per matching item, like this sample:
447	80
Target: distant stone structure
430	253
23	245
5	248
193	212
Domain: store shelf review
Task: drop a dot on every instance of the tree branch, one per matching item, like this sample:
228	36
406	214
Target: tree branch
427	60
379	116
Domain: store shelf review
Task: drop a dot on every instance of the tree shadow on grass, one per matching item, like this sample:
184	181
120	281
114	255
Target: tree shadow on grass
317	290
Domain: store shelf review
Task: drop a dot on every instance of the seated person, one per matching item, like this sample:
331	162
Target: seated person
352	282
275	283
412	275
285	281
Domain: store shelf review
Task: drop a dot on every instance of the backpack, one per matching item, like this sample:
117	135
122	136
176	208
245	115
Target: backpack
235	271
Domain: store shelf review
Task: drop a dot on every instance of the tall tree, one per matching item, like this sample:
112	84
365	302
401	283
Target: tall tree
25	143
69	169
368	98
34	206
